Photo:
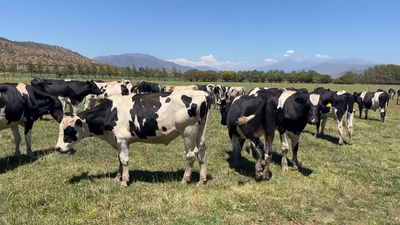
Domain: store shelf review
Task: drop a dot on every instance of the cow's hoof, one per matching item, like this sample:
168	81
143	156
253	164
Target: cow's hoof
285	168
124	184
259	177
341	142
200	184
268	176
295	167
117	179
184	182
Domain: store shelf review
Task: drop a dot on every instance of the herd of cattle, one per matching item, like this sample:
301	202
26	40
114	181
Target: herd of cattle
147	112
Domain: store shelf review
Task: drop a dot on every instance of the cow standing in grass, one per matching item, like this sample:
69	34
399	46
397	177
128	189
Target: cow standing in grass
372	100
156	118
285	111
22	104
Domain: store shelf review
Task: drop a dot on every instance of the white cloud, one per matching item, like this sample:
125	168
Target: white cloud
210	61
289	51
270	60
322	56
286	55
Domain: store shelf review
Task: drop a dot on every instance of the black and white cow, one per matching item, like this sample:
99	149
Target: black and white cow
219	94
341	105
391	93
234	92
288	112
108	89
156	118
147	87
372	100
398	96
22	104
71	91
230	112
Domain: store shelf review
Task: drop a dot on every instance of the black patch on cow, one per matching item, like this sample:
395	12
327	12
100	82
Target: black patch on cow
192	110
70	134
144	113
124	90
164	128
167	100
186	100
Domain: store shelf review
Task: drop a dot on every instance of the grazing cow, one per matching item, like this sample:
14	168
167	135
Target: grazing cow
372	100
234	92
147	87
288	112
230	112
70	91
219	92
108	89
156	118
398	96
169	88
22	104
391	92
341	106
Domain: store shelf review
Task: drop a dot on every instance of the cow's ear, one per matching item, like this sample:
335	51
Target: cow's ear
78	122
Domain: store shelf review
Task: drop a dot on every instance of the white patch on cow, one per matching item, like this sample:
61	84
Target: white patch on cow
363	95
144	121
3	113
341	92
136	122
238	97
284	96
375	102
314	99
22	88
67	80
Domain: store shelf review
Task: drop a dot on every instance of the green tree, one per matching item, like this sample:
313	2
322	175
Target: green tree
174	72
102	70
291	78
69	70
80	69
31	67
95	70
56	70
163	73
227	76
47	69
39	68
3	68
191	75
135	73
12	68
275	78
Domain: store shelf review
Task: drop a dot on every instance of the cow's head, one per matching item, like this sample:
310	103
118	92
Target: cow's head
72	130
128	85
55	108
224	111
317	107
357	98
94	89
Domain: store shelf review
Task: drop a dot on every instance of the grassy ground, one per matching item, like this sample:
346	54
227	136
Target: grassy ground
350	184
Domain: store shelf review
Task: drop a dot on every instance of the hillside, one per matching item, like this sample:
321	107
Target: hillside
23	52
143	60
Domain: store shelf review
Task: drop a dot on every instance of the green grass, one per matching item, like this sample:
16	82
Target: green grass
350	184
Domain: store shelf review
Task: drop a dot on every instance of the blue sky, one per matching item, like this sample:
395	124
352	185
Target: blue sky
218	33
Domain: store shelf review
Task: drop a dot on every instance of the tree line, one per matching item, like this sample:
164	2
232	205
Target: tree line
379	74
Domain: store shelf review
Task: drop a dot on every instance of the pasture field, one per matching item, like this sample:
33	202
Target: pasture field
349	184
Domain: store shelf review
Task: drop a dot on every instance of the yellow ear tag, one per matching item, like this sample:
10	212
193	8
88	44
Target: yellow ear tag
47	99
329	104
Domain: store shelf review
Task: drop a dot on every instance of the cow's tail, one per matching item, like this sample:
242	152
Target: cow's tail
204	112
254	120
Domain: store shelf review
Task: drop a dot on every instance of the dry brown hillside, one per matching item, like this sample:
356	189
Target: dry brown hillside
23	52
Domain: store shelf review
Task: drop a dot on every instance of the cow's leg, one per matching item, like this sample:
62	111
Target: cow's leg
317	128
189	139
350	126
285	149
202	161
28	138
323	126
119	172
295	147
340	129
237	145
17	140
268	155
123	149
366	113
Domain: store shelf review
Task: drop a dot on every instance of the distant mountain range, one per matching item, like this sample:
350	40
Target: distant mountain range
143	60
333	67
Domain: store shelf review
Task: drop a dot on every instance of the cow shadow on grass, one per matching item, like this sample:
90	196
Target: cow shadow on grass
9	163
247	167
327	137
143	176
